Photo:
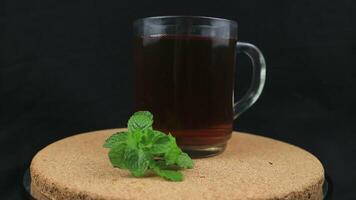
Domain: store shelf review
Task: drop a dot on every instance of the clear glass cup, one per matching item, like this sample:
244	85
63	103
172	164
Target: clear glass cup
184	75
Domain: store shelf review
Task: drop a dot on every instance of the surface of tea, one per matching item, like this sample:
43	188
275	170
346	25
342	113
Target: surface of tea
187	83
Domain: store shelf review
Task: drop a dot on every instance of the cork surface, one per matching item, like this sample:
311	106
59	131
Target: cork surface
252	167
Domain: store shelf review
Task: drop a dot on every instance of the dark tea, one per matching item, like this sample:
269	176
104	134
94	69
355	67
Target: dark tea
187	83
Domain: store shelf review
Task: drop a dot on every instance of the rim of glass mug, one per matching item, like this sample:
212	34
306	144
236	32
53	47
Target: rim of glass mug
186	25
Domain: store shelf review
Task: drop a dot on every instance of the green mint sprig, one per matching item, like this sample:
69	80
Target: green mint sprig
141	149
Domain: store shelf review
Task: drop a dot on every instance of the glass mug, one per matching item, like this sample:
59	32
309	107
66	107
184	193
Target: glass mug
184	75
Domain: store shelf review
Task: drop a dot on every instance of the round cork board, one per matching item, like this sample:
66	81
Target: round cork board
252	167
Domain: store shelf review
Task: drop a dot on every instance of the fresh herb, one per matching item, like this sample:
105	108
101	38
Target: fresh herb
141	149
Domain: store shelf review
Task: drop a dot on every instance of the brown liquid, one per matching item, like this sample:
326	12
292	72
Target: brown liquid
187	83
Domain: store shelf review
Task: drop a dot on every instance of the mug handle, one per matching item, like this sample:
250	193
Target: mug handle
258	77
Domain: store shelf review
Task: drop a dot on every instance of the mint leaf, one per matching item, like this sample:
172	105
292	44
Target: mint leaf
184	161
117	156
117	138
133	139
140	121
137	162
141	149
172	155
169	174
161	145
150	138
145	113
172	152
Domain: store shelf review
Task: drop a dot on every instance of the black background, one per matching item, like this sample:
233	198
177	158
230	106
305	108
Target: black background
66	67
